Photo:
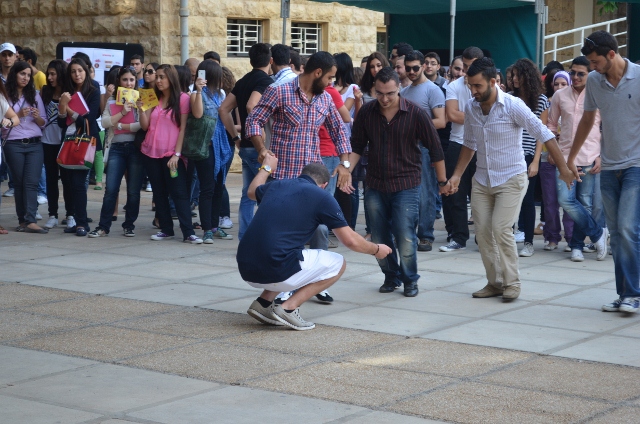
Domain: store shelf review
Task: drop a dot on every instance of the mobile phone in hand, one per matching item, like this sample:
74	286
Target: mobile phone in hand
201	74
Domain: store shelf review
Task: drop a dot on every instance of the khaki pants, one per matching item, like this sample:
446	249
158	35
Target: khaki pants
494	212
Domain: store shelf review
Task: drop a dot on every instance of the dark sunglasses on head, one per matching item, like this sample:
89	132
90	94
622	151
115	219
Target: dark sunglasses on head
124	70
149	71
415	68
590	41
579	74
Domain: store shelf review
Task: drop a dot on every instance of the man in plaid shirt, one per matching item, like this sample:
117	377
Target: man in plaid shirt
299	108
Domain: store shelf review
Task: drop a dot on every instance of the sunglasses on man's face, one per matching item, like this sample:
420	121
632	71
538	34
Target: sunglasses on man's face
578	74
415	68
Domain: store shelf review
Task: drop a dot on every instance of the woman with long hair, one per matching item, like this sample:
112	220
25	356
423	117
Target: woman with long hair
228	82
78	80
121	124
206	99
346	85
52	139
375	62
9	120
527	85
23	149
165	125
150	75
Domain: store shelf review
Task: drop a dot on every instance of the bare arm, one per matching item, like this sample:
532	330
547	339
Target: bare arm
357	243
584	128
439	119
466	154
453	113
224	113
262	175
253	101
344	113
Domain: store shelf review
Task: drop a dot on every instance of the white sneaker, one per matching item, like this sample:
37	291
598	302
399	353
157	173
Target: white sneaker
148	189
527	250
451	246
576	255
567	248
601	245
225	223
51	222
42	199
8	193
519	236
38	216
71	222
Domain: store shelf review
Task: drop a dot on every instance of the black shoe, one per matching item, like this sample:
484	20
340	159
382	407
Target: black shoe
324	297
81	232
424	245
114	218
387	287
89	219
438	215
411	289
70	230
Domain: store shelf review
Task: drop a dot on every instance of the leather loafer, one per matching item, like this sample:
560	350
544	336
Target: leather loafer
70	230
387	287
411	289
511	293
81	232
488	291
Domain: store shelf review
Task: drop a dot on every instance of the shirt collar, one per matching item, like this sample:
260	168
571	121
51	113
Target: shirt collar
282	73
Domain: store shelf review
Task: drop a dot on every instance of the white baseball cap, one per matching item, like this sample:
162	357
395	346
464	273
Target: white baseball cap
8	46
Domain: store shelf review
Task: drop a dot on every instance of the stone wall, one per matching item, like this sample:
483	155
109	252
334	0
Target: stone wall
42	24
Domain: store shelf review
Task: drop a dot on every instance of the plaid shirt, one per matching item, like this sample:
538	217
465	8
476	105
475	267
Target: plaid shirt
294	139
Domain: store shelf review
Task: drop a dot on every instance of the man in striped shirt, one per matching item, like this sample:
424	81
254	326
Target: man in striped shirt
394	128
493	124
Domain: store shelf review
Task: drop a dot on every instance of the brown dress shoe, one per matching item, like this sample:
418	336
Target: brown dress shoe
511	293
488	291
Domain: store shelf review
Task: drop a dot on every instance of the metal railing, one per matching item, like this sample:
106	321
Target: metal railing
602	25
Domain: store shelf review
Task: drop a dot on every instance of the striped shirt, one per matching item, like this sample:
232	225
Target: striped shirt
395	160
528	142
294	138
497	137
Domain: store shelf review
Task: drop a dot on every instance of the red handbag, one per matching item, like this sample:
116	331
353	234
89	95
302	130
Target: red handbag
78	150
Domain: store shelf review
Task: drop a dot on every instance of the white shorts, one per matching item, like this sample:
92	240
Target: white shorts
318	265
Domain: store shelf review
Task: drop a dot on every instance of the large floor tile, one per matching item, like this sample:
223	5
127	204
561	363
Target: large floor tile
571	377
378	417
38	251
436	357
95	282
590	298
186	294
479	403
19	295
104	343
569	275
353	383
167	269
19	411
611	349
24	272
623	415
391	320
17	325
216	361
230	406
530	338
22	364
89	261
108	388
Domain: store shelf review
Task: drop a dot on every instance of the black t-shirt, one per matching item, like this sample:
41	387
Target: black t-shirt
289	213
256	80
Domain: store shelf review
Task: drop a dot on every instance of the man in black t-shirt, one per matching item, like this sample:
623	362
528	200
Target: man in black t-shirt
272	256
245	95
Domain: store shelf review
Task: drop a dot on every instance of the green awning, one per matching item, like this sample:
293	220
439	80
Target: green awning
422	7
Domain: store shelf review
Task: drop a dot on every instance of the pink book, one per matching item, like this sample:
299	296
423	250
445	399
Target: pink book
129	118
78	105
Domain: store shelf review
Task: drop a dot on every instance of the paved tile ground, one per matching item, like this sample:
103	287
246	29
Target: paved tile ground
118	330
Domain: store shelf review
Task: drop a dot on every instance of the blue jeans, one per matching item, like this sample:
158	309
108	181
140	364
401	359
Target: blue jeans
250	166
621	197
395	215
578	203
122	157
428	198
320	238
42	184
598	208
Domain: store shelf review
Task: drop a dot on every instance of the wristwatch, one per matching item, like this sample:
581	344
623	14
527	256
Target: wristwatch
236	138
346	164
178	154
266	168
442	184
119	126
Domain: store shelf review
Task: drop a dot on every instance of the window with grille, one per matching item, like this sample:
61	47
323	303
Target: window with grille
241	35
306	38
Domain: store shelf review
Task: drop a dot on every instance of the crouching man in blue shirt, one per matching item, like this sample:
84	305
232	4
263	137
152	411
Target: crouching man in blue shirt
271	255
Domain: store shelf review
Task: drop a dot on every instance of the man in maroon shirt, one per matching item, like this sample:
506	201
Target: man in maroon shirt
394	128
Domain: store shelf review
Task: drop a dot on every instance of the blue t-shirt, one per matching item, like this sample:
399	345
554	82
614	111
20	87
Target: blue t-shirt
290	211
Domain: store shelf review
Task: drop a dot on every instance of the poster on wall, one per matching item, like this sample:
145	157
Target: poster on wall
103	55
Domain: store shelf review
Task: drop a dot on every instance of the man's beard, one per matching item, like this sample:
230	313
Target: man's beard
317	87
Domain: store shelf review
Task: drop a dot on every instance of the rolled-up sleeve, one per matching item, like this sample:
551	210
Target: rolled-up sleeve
262	112
469	138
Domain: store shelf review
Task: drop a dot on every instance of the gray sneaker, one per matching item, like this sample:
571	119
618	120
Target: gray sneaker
527	250
262	314
293	319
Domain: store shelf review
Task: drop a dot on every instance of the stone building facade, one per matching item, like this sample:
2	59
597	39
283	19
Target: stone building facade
155	24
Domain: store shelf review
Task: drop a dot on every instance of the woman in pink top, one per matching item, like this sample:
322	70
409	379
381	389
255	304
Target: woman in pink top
165	125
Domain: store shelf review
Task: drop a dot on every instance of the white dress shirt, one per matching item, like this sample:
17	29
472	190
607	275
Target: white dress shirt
497	137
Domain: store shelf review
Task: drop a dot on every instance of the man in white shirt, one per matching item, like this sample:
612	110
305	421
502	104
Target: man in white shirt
493	126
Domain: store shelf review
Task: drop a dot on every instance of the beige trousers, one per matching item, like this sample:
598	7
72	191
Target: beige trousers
495	209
